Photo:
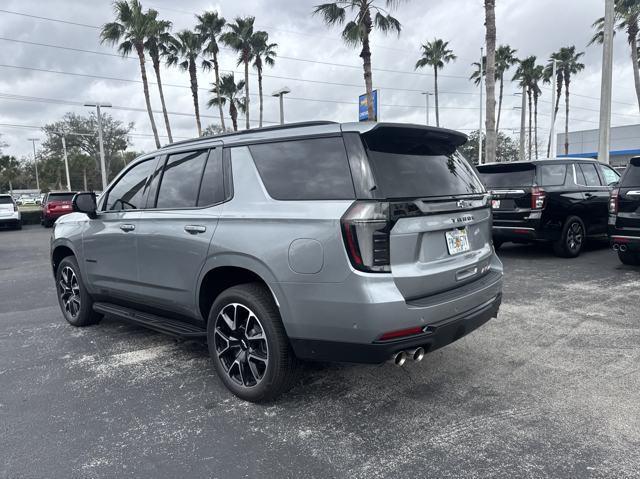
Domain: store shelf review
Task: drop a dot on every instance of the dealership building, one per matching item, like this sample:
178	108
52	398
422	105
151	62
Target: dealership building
625	144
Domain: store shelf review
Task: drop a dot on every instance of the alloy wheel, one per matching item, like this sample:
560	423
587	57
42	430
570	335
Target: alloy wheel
575	235
241	345
69	291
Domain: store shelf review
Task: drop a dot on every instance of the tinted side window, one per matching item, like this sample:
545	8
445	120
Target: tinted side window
181	180
552	175
590	174
315	169
631	176
609	175
129	192
212	186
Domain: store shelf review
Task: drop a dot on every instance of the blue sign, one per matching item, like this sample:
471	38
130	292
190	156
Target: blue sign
363	109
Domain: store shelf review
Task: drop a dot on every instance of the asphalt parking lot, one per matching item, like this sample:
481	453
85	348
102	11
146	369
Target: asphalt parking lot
549	389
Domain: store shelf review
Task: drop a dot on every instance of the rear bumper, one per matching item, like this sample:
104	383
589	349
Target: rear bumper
435	336
10	220
52	216
618	237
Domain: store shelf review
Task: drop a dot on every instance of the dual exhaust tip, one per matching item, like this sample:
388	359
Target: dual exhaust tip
620	247
401	357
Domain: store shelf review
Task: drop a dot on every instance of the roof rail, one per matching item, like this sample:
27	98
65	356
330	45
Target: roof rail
286	126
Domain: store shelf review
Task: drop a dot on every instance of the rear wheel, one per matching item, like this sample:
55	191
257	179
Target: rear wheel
75	302
630	258
248	344
572	239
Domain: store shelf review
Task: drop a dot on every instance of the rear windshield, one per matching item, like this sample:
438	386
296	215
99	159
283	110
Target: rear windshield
5	200
631	177
60	196
507	175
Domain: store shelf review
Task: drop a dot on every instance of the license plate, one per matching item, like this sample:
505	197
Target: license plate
495	204
457	241
66	207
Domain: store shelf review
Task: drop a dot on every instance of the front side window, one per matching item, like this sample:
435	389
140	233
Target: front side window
609	175
590	173
181	180
129	192
314	169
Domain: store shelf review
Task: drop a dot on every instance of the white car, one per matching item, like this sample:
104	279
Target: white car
9	213
28	201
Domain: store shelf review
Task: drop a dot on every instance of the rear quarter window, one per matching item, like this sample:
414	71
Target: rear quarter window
552	175
311	169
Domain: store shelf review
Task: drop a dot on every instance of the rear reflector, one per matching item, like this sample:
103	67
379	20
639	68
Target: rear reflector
521	232
401	333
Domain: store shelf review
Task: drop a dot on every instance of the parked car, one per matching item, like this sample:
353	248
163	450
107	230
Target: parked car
27	200
359	242
9	212
624	219
562	201
55	205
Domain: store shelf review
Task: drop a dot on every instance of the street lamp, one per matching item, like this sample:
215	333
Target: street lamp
35	161
281	93
103	168
523	113
64	153
427	94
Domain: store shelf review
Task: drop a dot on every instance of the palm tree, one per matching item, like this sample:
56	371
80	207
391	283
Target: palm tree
133	27
537	75
156	45
368	15
627	17
548	73
210	26
227	92
184	51
241	38
264	53
524	75
435	54
490	39
567	64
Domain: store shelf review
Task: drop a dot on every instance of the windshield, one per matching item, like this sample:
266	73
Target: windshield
500	176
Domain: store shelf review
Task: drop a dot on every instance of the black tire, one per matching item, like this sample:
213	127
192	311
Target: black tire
74	300
18	225
572	239
239	357
630	258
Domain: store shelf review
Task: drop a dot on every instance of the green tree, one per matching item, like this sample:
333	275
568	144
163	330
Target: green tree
228	93
9	170
369	15
627	16
185	50
240	36
264	53
506	148
490	41
157	44
212	129
435	54
209	27
130	31
524	75
537	76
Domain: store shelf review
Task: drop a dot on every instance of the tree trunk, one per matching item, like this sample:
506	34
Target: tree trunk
260	94
435	88
557	107
365	54
156	68
535	121
216	70
145	87
490	78
84	178
194	93
246	89
567	80
530	118
500	95
233	112
633	42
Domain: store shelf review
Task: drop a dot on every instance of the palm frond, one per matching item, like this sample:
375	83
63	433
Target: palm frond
331	13
386	23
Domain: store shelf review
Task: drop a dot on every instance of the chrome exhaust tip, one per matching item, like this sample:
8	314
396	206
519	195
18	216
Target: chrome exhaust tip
400	358
616	247
623	247
418	354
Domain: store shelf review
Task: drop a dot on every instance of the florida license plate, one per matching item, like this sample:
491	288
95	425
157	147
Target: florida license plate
457	241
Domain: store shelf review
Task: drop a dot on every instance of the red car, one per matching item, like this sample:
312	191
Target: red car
56	204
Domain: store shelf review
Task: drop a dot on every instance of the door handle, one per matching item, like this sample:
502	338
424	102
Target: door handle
588	195
127	227
195	229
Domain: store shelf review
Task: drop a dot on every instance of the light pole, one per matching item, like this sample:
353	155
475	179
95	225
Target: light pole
427	94
523	114
481	104
605	88
103	168
552	133
35	161
281	93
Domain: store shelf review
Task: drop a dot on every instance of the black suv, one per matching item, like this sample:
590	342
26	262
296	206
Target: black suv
561	201
624	215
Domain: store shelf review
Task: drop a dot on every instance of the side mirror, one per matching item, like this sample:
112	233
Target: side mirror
85	203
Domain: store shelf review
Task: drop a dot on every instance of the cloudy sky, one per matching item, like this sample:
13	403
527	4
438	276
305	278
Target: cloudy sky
309	54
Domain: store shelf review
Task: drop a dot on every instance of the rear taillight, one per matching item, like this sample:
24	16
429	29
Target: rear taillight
538	197
365	228
613	201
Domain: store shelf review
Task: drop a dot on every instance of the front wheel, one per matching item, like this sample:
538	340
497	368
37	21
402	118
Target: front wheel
75	302
248	344
572	239
629	258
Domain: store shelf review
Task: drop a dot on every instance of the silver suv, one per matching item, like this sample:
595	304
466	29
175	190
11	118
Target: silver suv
354	242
